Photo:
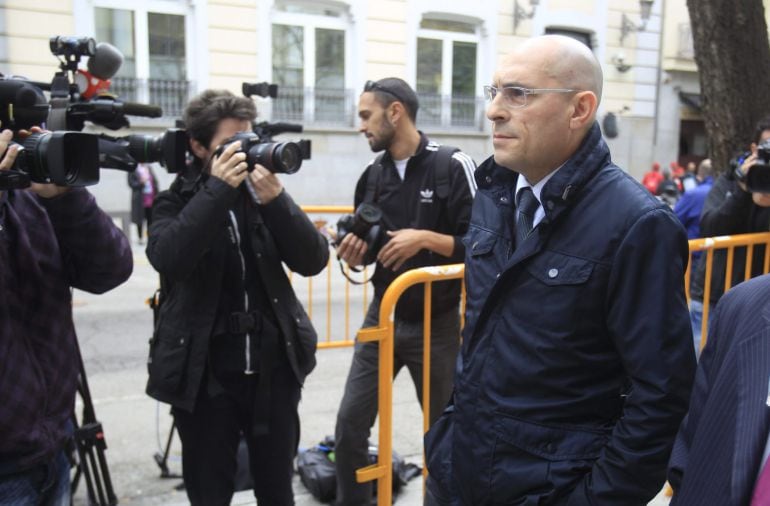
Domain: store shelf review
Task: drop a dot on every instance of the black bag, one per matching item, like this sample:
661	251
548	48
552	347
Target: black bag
318	472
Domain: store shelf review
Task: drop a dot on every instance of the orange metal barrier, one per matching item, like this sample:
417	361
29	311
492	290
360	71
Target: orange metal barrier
383	333
382	471
729	243
329	284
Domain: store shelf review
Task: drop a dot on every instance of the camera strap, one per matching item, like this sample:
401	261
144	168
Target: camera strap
354	269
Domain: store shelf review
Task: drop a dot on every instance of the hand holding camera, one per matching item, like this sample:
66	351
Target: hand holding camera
266	185
359	235
753	173
230	165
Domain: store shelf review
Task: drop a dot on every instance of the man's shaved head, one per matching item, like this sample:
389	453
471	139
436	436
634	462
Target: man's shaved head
568	61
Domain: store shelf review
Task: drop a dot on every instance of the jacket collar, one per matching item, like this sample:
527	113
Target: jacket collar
592	155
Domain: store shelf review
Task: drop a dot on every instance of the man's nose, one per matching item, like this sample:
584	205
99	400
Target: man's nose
496	111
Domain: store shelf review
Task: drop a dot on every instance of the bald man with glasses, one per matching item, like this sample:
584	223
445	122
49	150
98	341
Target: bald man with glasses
576	362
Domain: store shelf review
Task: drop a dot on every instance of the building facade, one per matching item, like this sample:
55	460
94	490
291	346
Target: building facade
321	52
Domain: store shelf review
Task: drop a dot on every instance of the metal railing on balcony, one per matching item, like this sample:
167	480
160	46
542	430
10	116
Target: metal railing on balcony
170	95
315	106
451	111
338	107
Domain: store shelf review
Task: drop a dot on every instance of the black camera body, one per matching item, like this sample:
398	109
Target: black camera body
277	157
758	176
364	224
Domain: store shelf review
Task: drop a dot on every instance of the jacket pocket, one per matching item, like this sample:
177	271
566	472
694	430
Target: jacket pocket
568	285
536	463
167	363
307	341
438	453
479	242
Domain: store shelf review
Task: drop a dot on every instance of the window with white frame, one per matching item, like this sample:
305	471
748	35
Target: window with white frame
153	39
310	44
447	73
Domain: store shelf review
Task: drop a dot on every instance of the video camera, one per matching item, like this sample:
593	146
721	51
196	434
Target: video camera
365	224
64	155
758	177
124	153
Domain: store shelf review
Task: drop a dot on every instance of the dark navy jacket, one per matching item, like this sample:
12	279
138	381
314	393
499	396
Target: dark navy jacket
577	359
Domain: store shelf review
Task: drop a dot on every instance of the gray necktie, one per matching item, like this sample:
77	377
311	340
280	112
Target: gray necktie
526	205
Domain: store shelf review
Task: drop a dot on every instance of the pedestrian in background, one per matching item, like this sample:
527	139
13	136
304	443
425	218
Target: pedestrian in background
144	188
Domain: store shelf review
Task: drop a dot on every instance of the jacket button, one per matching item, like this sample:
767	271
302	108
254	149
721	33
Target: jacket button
275	301
489	179
297	320
259	255
553	273
288	344
504	199
181	340
549	204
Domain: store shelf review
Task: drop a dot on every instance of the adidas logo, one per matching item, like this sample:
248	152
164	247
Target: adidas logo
426	196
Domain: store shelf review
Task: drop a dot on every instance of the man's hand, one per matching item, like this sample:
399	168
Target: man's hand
266	184
747	164
8	153
403	245
352	250
231	165
45	190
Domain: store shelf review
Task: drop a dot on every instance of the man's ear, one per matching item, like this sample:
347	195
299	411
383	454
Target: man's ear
396	111
199	150
584	105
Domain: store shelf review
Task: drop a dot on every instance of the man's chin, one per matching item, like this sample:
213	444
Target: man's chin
503	160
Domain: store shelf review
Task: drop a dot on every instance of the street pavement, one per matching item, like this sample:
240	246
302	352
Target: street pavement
113	331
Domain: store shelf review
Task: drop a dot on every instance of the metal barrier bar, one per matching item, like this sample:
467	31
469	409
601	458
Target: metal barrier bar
382	471
383	333
729	243
328	276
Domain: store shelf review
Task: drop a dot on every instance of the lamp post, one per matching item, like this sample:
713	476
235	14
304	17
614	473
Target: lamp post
627	25
520	14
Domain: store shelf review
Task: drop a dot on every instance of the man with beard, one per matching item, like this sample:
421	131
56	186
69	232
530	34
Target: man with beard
425	193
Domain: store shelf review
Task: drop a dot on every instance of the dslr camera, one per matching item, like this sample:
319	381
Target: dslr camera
365	224
277	157
758	177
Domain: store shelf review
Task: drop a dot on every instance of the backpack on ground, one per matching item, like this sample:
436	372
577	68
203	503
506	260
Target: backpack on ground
318	472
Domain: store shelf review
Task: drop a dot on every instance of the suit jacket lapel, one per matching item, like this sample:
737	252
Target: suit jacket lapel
753	416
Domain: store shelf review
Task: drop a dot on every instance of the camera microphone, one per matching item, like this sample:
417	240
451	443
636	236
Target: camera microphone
147	111
102	66
105	62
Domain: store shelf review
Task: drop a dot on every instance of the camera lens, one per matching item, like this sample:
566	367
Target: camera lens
277	157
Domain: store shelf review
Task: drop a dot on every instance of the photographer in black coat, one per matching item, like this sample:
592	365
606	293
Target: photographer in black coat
232	343
731	207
